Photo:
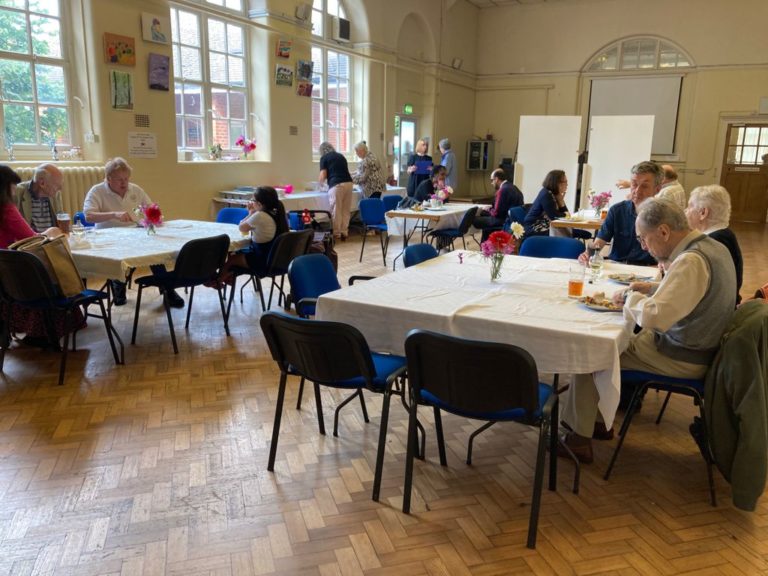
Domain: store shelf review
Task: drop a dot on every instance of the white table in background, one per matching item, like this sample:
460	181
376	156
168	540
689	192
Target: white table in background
528	307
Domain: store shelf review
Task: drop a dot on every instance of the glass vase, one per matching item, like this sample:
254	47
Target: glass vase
496	262
151	230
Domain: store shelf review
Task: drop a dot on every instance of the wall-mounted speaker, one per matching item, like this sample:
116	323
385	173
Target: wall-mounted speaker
303	11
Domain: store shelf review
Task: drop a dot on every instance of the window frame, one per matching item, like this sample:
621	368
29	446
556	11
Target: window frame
207	87
623	47
34	150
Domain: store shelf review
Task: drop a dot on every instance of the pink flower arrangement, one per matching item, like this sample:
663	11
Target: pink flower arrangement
246	145
442	194
598	201
498	245
150	216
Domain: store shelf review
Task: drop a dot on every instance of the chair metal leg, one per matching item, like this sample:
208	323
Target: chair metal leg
409	454
538	480
257	287
276	424
319	406
362	248
382	444
232	296
340	406
363	407
224	312
167	306
189	306
480	430
706	452
109	329
553	439
136	314
421	455
663	407
383	248
639	392
440	437
65	349
301	393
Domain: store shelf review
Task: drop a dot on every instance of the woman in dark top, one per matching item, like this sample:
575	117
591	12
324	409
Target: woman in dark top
709	210
549	204
415	178
334	170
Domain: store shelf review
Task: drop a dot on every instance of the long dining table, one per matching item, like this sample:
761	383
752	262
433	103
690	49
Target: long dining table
528	307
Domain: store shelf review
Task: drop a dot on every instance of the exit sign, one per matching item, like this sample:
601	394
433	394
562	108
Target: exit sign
408	109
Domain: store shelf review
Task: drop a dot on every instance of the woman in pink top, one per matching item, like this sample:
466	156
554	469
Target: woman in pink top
13	228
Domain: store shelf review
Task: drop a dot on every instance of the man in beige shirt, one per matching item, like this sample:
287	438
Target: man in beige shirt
671	189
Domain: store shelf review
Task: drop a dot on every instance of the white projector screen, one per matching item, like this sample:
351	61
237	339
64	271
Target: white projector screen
657	96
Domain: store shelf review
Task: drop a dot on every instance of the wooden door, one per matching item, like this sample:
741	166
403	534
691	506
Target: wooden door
744	174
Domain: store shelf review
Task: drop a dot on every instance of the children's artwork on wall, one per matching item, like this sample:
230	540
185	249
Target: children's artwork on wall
159	71
119	49
304	88
304	70
155	28
121	89
284	48
283	76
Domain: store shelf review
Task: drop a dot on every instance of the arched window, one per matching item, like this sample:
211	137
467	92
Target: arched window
332	83
644	53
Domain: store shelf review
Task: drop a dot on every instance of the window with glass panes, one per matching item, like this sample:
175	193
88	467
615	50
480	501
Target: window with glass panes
33	74
747	144
210	80
332	83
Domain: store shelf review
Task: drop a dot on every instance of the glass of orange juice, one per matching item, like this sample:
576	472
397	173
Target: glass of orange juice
576	280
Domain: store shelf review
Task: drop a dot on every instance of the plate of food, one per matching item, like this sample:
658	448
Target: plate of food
599	303
628	278
441	209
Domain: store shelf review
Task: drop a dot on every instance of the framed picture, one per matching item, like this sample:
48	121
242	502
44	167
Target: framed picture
159	72
304	70
155	28
119	49
283	76
283	49
304	88
121	90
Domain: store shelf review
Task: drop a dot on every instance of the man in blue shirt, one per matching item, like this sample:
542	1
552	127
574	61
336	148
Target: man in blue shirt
619	225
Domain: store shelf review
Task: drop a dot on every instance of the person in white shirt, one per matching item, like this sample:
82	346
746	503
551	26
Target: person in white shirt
111	203
671	189
682	318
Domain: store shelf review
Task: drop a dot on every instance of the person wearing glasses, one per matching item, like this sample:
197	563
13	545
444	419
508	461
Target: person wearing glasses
507	196
619	225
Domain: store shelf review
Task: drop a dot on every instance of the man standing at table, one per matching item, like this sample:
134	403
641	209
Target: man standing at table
110	204
39	199
619	225
682	318
507	196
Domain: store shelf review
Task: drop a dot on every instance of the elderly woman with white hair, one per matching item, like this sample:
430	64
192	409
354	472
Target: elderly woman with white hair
709	211
335	171
369	175
449	161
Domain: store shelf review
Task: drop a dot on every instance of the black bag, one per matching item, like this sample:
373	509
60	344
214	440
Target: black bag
323	244
407	202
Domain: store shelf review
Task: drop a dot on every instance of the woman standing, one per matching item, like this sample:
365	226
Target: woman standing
369	174
419	166
266	220
334	170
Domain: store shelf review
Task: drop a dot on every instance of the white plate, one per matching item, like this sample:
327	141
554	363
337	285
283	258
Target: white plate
435	209
624	279
598	308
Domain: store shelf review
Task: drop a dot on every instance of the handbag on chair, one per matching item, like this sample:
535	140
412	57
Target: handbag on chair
57	260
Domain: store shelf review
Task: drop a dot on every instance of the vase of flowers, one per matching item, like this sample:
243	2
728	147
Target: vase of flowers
500	244
246	145
599	201
215	152
150	217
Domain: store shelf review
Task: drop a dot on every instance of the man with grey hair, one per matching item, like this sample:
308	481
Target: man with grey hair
709	211
39	199
682	318
671	189
449	161
619	225
369	175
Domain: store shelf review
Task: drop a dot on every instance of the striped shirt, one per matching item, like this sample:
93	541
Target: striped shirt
42	218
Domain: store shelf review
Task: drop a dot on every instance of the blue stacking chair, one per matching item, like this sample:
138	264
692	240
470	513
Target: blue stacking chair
80	217
446	236
329	354
515	214
642	382
551	247
391	202
311	276
231	215
418	253
372	213
483	381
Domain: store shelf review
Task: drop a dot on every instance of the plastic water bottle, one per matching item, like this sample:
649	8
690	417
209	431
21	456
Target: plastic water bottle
595	266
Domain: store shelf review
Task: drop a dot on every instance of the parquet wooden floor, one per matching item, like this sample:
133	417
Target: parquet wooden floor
159	467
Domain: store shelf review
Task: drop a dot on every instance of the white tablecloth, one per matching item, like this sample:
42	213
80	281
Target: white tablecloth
528	307
110	252
449	217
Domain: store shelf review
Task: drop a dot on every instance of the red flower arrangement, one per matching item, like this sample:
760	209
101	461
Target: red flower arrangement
247	145
498	245
151	216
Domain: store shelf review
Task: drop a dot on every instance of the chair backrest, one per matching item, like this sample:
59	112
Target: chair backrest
201	259
551	247
231	215
517	214
418	253
23	278
294	221
286	247
467	220
391	202
472	376
312	275
323	352
80	217
372	211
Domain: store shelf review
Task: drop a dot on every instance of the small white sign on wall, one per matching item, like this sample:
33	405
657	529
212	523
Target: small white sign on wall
142	145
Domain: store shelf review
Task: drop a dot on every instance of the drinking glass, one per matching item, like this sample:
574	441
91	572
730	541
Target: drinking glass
576	281
63	222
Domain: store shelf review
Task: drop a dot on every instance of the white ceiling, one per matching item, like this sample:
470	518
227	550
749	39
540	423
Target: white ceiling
494	3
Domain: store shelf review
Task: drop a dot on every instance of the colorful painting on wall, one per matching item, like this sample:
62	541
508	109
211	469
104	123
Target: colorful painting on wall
283	76
159	71
155	28
119	49
121	90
